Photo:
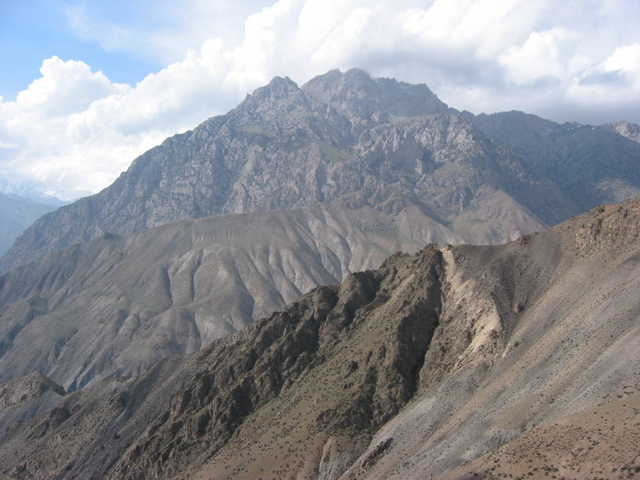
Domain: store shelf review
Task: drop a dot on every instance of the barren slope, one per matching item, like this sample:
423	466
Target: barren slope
534	331
414	369
600	442
114	306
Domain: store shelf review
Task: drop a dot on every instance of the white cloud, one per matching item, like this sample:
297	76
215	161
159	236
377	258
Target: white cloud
612	86
160	29
66	87
626	58
76	130
537	58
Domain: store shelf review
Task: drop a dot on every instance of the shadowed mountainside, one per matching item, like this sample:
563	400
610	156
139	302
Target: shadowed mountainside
593	165
414	369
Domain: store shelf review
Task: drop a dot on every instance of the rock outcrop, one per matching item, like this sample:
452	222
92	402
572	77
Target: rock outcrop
26	397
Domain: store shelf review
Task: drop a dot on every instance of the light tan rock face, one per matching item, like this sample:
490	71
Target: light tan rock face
412	370
626	129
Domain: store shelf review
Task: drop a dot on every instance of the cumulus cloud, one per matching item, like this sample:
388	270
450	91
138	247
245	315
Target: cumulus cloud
76	130
609	88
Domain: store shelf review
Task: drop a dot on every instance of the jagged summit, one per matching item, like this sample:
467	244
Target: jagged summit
277	90
379	100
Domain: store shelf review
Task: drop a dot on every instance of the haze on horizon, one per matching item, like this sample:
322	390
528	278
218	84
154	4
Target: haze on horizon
88	86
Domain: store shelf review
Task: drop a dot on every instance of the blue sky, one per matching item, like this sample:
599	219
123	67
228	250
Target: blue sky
87	86
34	30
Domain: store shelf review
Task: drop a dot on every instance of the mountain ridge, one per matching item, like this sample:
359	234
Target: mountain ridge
382	376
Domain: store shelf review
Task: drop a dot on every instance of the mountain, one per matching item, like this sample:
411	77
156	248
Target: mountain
16	214
458	362
592	165
347	136
335	177
280	148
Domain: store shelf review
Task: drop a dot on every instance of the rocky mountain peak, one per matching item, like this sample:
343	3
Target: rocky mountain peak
279	89
379	100
626	129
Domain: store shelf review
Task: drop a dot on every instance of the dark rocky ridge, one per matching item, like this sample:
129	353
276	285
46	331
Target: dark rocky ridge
383	376
286	146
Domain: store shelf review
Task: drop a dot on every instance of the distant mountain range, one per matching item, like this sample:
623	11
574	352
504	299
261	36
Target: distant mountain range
16	214
459	362
38	192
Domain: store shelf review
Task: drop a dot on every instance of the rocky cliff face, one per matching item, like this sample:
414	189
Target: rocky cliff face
385	376
348	134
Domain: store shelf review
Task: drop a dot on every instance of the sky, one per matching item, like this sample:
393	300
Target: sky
88	85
